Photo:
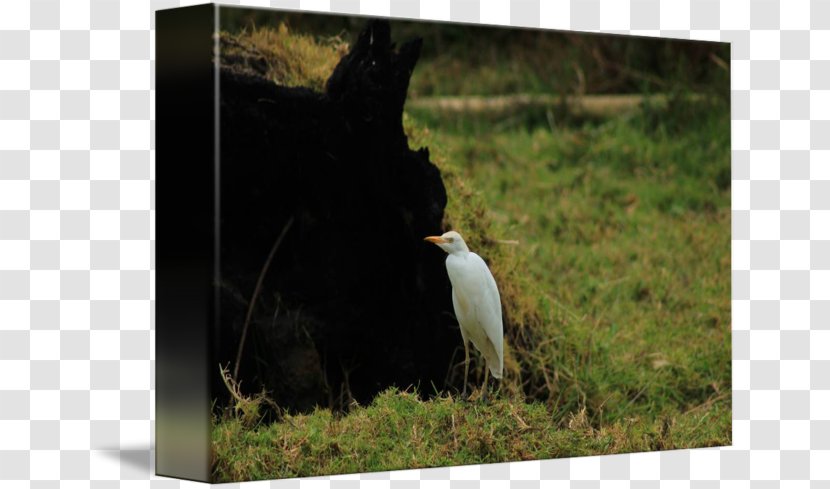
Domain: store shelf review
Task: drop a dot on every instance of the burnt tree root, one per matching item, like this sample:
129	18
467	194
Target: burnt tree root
352	291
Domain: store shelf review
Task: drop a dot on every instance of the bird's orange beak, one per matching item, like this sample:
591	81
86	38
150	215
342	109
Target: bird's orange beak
435	239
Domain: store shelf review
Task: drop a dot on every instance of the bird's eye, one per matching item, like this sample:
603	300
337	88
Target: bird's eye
450	240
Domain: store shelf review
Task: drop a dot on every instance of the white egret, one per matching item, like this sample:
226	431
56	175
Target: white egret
475	298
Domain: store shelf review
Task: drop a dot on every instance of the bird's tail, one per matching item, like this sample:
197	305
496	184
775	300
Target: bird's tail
496	371
494	359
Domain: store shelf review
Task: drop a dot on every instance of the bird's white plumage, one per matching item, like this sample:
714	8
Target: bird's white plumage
477	305
475	298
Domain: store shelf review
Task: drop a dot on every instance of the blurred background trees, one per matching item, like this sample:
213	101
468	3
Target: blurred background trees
461	59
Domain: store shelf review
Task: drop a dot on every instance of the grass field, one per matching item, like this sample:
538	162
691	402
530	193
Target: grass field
618	299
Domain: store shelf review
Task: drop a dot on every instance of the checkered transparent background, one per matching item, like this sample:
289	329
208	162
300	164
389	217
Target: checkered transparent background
77	240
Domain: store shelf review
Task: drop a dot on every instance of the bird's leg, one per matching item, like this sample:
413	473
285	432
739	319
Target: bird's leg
466	368
484	385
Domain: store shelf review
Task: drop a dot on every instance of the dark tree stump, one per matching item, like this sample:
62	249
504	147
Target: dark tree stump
354	300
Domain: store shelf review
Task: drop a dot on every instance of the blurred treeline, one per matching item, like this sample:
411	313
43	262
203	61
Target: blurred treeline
461	59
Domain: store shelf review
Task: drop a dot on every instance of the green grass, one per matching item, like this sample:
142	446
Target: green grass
625	233
399	431
617	300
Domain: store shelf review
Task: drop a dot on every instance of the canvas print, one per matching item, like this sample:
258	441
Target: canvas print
436	244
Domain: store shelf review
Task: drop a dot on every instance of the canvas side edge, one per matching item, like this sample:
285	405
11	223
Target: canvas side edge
185	239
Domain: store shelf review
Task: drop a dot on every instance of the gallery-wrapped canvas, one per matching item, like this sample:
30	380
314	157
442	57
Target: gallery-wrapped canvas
386	244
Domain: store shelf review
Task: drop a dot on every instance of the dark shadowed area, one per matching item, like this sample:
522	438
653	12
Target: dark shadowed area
353	301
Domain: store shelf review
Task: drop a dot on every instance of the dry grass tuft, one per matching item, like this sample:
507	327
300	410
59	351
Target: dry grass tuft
248	410
286	58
